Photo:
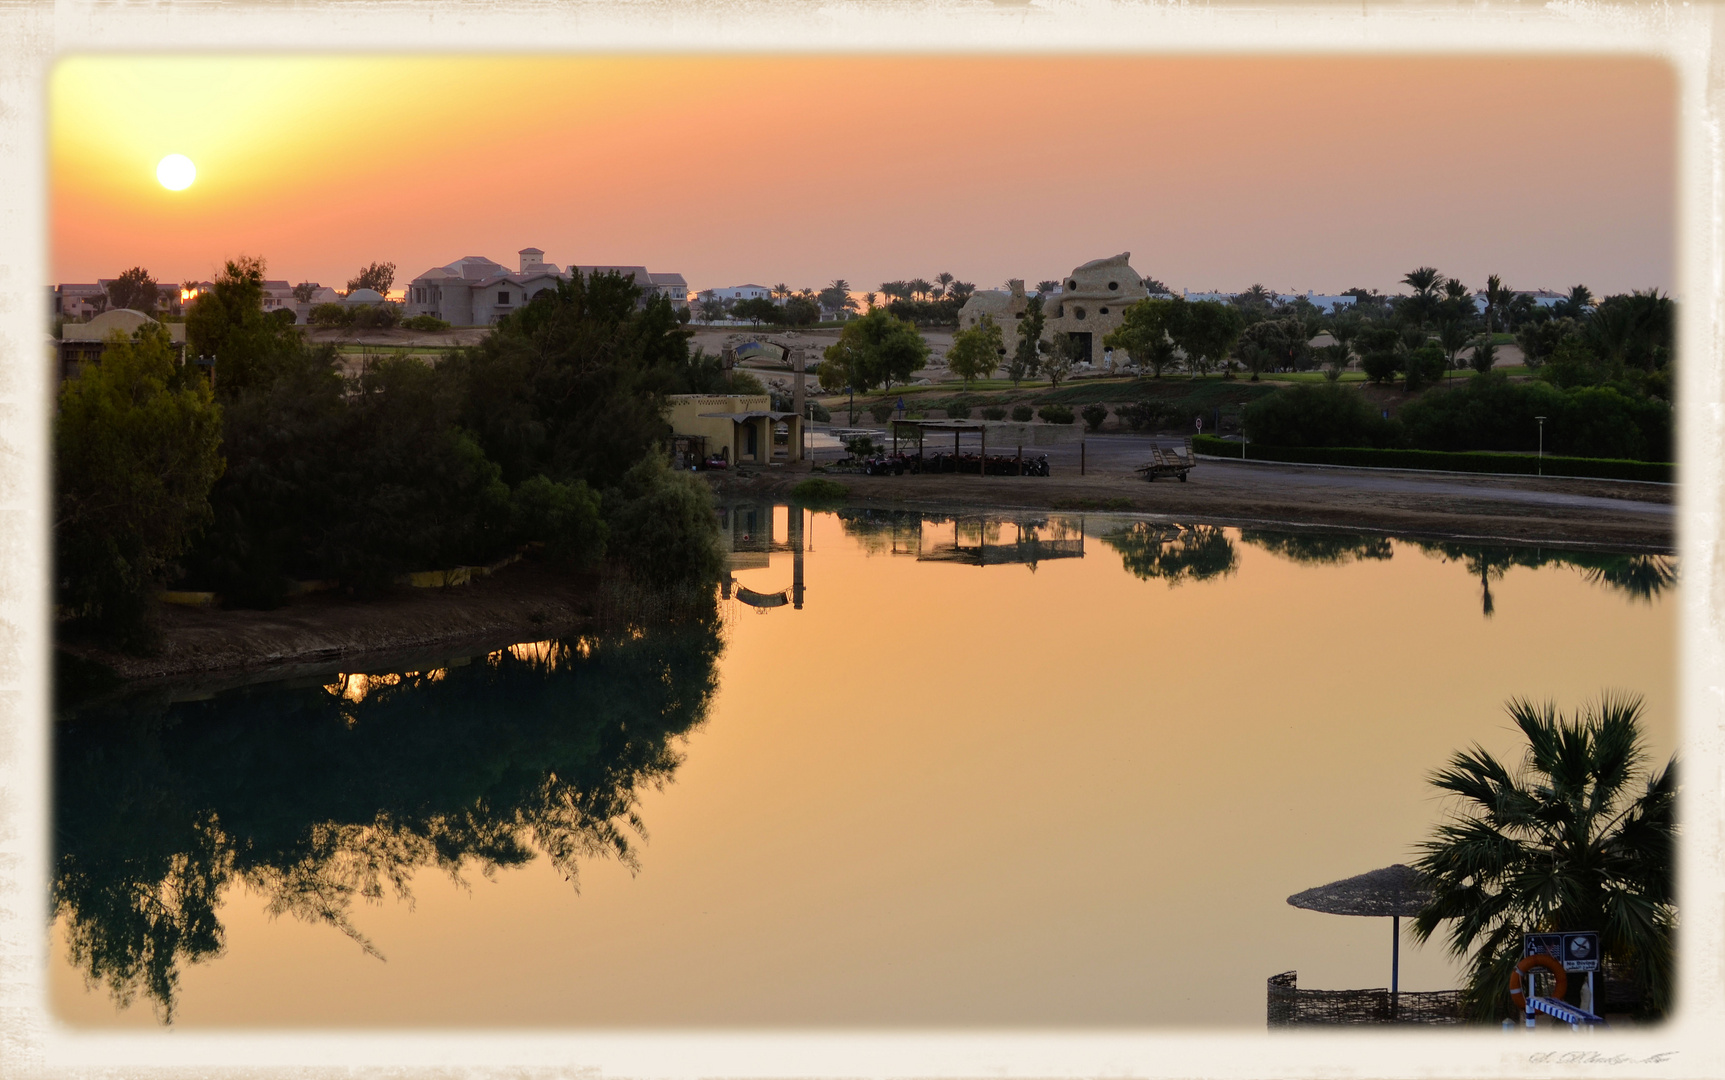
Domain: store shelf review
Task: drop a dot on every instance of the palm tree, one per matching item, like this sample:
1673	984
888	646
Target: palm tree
1425	282
1497	298
1579	837
945	280
781	292
871	298
1453	336
920	288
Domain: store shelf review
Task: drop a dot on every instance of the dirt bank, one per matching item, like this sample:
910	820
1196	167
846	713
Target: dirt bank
209	649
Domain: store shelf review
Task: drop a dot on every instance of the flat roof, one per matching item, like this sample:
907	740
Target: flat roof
740	416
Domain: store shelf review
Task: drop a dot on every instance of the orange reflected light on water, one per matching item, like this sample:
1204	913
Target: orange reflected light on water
958	795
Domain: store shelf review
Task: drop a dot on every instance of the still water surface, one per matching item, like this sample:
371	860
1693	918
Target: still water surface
1041	771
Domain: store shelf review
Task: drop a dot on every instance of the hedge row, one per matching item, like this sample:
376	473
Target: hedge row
1524	464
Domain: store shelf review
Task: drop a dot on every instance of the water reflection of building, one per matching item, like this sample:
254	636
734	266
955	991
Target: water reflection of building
981	541
976	540
750	541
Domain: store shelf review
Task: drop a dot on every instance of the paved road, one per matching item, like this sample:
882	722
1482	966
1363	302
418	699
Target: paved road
1533	509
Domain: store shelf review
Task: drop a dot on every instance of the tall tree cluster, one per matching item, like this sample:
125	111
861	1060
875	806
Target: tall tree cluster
535	434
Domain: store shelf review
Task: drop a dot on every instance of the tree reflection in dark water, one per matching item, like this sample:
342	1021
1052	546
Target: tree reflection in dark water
315	795
1174	553
1641	577
1320	547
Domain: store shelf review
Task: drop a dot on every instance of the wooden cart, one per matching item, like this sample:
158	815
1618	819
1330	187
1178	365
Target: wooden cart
1168	461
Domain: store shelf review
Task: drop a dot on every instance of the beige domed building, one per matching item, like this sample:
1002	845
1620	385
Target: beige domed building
84	343
1088	305
1090	302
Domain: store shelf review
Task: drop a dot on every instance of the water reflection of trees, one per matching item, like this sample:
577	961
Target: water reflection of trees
1174	553
1320	547
315	795
1641	577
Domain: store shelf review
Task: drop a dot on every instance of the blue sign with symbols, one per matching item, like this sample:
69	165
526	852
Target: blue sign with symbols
1578	951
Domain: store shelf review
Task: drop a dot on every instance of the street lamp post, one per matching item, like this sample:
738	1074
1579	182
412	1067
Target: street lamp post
1540	459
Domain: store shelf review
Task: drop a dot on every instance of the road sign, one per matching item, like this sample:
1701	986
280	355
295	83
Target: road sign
1577	951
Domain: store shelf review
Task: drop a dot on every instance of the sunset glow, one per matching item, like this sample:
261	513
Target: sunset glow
1215	172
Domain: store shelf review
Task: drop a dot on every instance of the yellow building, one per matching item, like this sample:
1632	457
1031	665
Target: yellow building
742	430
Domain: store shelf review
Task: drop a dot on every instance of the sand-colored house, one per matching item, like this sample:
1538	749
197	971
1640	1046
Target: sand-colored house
1087	306
1005	306
744	430
1091	301
84	343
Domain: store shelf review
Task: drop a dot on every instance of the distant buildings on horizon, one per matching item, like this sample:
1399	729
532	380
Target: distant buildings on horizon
475	291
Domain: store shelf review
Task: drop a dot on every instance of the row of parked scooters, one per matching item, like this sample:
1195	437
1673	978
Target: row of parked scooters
993	465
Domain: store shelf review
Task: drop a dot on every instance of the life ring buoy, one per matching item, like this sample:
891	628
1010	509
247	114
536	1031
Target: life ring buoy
1539	960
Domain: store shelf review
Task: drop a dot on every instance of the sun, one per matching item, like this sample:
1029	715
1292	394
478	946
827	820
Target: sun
176	172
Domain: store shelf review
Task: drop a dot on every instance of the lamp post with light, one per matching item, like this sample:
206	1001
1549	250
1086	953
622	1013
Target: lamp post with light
1540	459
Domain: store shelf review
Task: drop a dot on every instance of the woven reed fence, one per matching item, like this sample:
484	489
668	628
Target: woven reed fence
1289	1006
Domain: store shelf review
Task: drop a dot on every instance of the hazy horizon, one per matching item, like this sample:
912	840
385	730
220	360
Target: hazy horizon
1320	173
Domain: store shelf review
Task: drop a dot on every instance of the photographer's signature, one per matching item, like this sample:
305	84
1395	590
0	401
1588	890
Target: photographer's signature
1594	1057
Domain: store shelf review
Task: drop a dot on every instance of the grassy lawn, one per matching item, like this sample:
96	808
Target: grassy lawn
1312	377
378	350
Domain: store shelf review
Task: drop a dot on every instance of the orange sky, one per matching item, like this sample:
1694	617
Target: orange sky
1215	172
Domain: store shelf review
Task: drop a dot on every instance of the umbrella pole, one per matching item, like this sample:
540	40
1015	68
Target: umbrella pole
1395	962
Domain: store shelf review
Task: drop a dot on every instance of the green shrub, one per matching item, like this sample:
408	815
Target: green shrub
1317	414
881	411
818	412
330	315
1140	415
958	412
375	317
1055	414
566	517
1022	413
1094	415
1493	412
1423	366
1380	367
818	490
993	412
427	323
663	530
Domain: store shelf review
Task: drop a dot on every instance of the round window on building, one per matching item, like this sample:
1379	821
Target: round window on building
1071	286
1078	313
1113	286
1101	311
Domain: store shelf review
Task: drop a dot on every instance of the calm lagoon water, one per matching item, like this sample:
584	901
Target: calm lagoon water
1027	771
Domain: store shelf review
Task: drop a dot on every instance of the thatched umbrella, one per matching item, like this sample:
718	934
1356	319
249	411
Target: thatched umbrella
1394	891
